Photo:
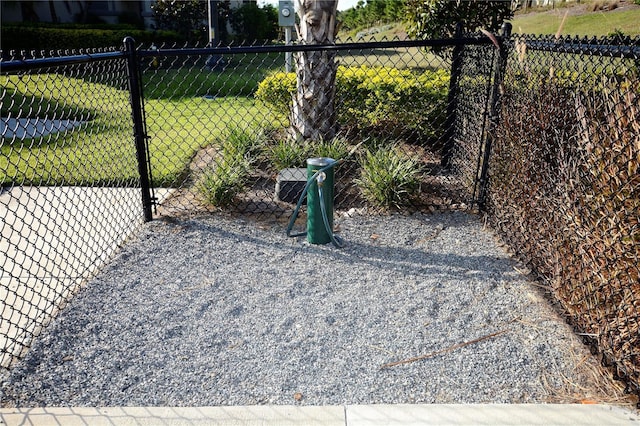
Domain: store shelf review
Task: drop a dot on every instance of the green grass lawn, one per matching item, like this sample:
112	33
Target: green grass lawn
402	58
591	24
180	119
102	151
178	129
97	152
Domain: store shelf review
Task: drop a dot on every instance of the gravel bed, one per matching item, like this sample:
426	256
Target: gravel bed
224	311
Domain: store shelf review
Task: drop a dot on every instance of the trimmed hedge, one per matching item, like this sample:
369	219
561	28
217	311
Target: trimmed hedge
27	37
399	101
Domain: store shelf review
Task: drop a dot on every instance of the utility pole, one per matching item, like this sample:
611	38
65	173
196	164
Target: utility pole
214	34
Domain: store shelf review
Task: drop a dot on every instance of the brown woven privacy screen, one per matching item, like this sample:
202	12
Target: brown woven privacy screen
565	183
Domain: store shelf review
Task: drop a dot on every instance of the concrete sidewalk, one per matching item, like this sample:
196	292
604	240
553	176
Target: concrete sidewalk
349	415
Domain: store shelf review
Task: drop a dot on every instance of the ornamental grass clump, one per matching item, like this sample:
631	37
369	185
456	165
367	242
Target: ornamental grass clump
227	176
222	182
336	148
249	143
288	153
388	177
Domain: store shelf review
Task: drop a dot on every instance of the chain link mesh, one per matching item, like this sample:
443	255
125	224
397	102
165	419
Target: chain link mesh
68	192
565	184
472	105
219	135
200	109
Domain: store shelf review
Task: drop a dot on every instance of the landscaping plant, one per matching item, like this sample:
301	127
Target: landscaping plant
405	103
388	177
225	177
288	153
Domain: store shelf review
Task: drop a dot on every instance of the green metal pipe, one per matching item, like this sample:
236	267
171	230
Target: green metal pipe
317	231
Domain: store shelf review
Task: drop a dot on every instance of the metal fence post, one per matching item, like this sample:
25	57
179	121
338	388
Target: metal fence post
139	127
499	67
452	100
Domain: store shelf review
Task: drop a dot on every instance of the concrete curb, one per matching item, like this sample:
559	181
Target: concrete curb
350	415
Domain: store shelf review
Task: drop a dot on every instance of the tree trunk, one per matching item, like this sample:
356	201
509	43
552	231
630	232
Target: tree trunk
313	113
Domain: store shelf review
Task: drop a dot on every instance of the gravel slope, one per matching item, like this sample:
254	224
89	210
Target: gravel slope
218	311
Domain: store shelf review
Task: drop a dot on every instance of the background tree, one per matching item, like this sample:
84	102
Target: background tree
372	12
251	23
313	114
186	17
438	18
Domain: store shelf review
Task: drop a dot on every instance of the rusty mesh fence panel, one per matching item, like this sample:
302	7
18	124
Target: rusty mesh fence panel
69	184
221	139
565	183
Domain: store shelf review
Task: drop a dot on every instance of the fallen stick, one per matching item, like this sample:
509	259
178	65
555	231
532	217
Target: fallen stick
441	351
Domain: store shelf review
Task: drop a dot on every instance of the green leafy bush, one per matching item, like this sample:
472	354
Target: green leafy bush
389	178
400	101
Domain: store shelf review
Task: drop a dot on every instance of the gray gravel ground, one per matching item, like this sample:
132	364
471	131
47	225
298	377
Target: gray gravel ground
220	311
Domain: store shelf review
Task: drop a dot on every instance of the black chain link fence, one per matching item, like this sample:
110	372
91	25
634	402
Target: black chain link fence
92	141
221	128
69	183
564	182
548	146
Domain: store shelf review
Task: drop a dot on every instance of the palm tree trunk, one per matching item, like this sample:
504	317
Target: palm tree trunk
313	113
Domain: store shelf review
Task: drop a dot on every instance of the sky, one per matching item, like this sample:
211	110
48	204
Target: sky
342	4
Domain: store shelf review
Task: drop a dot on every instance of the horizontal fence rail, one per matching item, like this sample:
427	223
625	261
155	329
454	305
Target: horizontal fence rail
393	44
39	63
584	47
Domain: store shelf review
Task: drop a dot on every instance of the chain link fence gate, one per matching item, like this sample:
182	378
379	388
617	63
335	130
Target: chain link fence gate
70	192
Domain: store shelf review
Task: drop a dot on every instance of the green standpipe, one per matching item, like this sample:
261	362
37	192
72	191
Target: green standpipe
317	232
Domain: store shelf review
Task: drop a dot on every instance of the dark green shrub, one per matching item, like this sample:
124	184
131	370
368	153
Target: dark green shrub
336	148
223	181
70	37
227	177
289	154
389	177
